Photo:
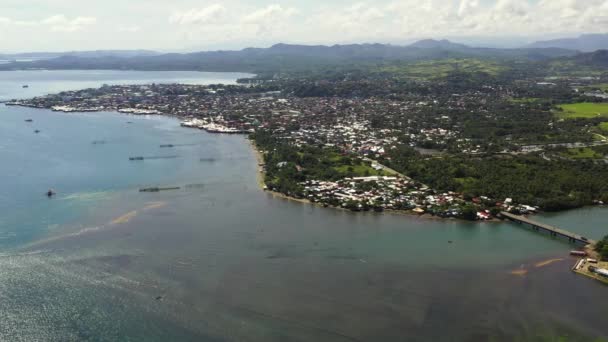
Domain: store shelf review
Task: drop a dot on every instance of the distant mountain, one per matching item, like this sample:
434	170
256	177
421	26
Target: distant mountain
83	54
594	59
283	57
438	44
584	43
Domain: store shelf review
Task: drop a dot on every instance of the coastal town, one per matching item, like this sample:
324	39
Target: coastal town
365	135
379	143
328	151
292	171
343	125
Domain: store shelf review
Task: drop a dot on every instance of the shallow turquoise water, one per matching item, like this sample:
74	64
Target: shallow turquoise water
221	260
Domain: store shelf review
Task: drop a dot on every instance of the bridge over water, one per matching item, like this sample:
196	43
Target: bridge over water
554	231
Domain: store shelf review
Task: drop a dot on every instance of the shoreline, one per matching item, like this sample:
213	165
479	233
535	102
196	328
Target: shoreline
260	174
262	186
260	179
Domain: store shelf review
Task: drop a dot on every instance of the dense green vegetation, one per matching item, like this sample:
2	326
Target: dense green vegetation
602	248
571	67
551	185
442	68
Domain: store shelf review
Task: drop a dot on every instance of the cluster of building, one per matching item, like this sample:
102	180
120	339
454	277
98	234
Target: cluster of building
366	127
381	193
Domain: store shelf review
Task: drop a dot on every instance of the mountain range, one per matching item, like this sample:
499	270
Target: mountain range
291	57
84	54
584	43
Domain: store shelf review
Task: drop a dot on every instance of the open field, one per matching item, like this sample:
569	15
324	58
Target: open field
583	153
583	110
360	170
526	100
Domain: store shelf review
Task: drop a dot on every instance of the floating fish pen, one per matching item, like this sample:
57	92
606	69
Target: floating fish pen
158	189
151	158
175	145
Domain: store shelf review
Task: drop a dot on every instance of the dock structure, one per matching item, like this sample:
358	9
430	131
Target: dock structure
554	231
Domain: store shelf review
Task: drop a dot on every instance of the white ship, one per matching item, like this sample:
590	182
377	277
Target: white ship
193	123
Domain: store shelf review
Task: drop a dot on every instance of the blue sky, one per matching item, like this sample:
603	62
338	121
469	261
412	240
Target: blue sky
54	25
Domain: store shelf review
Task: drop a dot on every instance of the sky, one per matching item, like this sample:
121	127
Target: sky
188	25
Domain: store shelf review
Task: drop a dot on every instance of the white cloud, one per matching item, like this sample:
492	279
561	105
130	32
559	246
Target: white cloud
56	23
211	14
467	6
129	29
60	23
269	14
238	23
269	20
217	23
357	20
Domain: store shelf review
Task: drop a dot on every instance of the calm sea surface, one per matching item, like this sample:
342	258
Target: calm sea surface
220	260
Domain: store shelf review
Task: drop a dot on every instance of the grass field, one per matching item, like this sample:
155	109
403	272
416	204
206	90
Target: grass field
583	153
603	126
599	137
583	110
525	100
360	170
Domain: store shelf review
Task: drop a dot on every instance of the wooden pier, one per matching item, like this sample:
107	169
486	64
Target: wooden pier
554	231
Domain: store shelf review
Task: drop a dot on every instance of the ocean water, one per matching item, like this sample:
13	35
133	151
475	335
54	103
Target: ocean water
42	82
220	260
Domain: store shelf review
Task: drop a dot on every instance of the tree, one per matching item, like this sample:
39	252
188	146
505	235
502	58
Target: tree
604	252
469	212
602	248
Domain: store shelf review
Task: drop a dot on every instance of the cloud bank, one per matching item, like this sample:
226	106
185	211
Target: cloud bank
238	23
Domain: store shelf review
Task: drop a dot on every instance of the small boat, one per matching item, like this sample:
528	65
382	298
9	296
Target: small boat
37	131
29	120
50	193
578	253
25	86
